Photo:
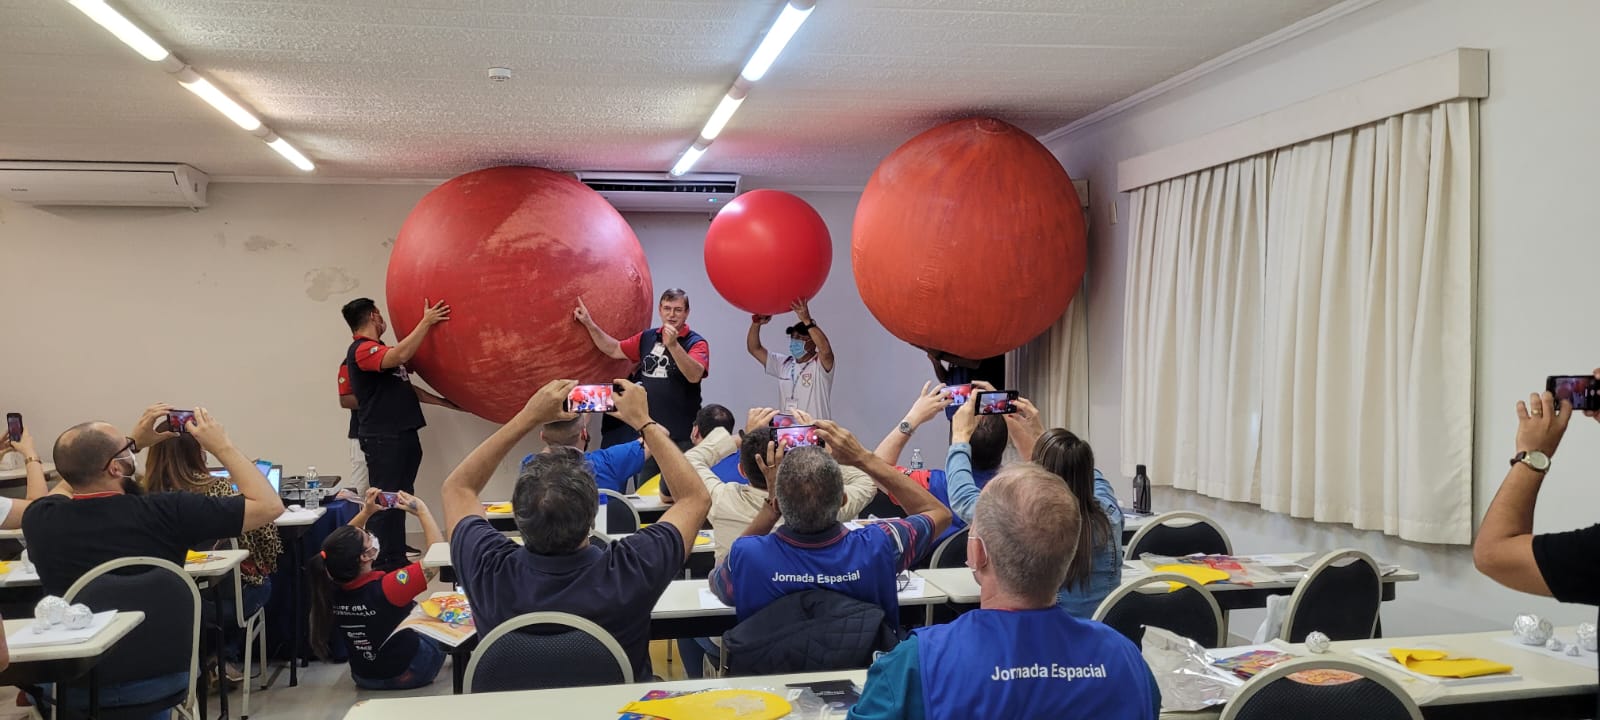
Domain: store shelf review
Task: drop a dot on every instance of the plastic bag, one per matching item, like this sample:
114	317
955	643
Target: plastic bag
1184	673
1277	607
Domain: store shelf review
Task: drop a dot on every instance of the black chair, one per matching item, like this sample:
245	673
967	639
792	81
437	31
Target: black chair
881	506
1339	597
1179	533
547	650
1189	611
1274	695
620	516
952	553
168	641
812	630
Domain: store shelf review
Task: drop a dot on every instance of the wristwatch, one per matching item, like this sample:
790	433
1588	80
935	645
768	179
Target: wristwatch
809	326
1538	461
905	427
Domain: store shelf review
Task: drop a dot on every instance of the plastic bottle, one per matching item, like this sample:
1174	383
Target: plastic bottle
313	494
1141	492
916	458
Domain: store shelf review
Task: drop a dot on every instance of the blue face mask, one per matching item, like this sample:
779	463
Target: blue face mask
797	348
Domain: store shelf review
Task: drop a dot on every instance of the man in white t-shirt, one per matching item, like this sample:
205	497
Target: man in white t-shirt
805	374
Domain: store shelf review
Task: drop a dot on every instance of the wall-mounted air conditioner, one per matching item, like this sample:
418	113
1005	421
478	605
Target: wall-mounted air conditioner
85	183
659	192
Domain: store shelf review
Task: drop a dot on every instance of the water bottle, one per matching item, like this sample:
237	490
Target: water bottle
1141	491
313	495
916	458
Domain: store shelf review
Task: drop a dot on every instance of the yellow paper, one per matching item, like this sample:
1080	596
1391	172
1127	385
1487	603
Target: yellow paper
195	557
1199	573
1437	663
5	567
504	507
650	487
714	705
701	540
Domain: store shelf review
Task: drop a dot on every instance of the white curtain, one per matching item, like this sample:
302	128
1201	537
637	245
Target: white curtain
1053	369
1300	328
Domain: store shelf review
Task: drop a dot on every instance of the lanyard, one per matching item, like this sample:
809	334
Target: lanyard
794	375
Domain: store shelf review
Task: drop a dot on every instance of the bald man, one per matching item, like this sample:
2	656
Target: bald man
1018	655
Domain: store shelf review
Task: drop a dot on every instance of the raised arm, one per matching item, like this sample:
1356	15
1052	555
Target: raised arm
691	367
466	482
913	497
407	348
1024	427
1504	548
261	502
602	342
691	500
430	527
818	337
428	398
36	480
929	404
752	339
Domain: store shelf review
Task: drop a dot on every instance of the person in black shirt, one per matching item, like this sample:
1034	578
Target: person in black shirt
671	361
389	411
97	520
1564	565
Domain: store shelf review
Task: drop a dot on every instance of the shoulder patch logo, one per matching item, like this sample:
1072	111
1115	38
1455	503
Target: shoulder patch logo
402	576
372	349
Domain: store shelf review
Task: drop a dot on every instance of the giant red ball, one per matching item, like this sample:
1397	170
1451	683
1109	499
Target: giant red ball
512	249
767	249
969	239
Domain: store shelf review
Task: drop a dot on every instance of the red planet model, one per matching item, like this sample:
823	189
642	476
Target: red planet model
767	249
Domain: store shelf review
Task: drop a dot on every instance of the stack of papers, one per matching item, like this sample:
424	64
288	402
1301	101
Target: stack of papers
60	635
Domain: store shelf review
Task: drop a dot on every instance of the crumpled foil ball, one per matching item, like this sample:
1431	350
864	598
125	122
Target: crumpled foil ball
1586	636
1574	651
78	617
1531	629
51	610
1555	645
1317	642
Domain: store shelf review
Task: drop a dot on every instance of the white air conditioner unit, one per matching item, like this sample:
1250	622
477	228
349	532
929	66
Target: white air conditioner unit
117	184
660	192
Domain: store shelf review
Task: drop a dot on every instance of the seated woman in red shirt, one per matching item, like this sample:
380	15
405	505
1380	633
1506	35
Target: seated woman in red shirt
366	605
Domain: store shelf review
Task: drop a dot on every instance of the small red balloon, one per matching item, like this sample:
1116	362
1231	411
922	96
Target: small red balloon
767	249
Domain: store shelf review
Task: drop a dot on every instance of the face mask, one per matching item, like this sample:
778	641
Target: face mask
376	547
797	348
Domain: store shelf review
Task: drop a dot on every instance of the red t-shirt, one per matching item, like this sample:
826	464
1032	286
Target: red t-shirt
344	381
700	351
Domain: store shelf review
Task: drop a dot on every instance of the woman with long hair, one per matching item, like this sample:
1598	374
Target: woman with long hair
179	465
1096	568
366	605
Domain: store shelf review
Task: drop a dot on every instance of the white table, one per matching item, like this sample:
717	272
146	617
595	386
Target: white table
21	473
300	518
221	563
65	663
292	526
642	503
602	701
678	613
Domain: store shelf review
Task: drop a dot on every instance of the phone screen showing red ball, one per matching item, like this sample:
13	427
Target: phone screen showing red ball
1583	391
999	402
959	394
14	426
591	399
388	499
179	420
795	436
783	420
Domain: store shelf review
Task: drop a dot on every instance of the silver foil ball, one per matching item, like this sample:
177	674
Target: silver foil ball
1317	642
1555	645
1586	636
40	626
51	610
78	617
1574	651
1531	629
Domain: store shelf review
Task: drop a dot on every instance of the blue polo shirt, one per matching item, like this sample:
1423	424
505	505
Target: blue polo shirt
728	470
612	466
859	563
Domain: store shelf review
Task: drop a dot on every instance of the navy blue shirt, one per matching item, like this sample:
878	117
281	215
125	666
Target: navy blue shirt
612	466
615	587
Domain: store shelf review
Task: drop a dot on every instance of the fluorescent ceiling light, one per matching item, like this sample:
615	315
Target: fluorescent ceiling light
121	27
721	116
783	29
690	157
235	112
285	149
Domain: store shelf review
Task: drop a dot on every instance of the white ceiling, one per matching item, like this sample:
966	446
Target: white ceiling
398	88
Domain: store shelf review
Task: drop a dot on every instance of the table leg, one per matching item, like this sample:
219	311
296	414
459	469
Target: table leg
296	604
221	651
94	695
458	670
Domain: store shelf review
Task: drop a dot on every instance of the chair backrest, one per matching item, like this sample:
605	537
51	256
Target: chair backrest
1339	597
951	553
168	641
1190	611
1179	533
1274	695
547	650
813	630
620	515
599	538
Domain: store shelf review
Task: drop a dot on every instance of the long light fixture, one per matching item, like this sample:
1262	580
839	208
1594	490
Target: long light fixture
778	36
136	38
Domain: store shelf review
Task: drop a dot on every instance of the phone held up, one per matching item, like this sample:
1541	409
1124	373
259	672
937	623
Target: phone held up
1583	391
388	500
179	420
997	402
14	426
593	398
796	436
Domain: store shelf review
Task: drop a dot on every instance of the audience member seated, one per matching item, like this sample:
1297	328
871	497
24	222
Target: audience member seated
1018	655
1096	569
712	435
11	509
813	549
179	465
367	604
613	466
557	569
102	514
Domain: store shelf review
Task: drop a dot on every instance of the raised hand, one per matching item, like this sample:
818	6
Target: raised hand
434	314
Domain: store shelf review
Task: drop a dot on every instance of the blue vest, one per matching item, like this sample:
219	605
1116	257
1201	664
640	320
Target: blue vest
861	564
1031	664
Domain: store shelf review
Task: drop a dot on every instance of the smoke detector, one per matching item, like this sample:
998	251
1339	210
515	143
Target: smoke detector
499	74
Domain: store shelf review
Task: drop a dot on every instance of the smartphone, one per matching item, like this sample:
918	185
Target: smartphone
959	394
796	436
1582	390
783	420
14	426
388	499
592	399
997	402
179	420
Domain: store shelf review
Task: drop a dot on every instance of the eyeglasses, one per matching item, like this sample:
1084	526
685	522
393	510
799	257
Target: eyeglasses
125	449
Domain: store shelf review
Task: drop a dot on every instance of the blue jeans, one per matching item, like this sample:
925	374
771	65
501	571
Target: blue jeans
137	692
422	671
694	652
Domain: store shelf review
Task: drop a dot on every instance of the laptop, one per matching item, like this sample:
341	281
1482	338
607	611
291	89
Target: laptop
273	472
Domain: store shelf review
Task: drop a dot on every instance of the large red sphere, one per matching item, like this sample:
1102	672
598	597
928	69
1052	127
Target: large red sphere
512	249
969	239
767	249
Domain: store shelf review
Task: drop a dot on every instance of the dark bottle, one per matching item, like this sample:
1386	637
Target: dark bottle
1141	492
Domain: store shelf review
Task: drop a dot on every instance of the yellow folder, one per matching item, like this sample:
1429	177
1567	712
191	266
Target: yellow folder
1438	663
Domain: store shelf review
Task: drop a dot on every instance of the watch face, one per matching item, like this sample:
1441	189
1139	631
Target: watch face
1536	460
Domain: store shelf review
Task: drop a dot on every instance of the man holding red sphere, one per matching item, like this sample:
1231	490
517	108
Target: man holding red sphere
672	360
805	374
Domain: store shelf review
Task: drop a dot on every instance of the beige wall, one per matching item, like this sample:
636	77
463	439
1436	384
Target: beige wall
1538	224
236	308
